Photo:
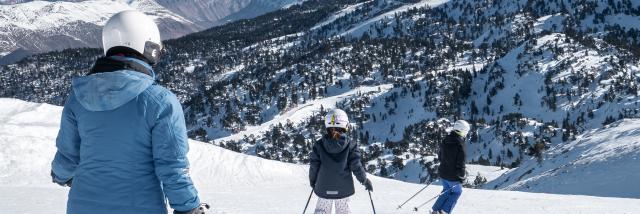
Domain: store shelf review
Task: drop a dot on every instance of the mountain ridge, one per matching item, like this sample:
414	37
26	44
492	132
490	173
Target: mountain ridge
42	26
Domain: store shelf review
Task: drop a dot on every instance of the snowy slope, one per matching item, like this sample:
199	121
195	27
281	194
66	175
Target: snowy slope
414	172
237	183
363	27
339	14
527	93
600	162
303	112
207	13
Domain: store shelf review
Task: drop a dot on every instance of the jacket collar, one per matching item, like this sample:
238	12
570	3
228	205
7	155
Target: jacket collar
117	63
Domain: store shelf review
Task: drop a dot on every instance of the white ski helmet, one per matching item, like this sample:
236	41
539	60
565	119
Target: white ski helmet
461	127
134	30
336	119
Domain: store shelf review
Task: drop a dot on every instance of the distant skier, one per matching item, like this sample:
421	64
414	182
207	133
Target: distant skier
333	159
452	168
122	144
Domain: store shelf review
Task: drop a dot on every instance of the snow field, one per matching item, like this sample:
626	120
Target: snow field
237	183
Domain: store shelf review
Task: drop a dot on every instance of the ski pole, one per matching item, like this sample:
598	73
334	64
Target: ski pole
374	207
414	195
305	206
443	192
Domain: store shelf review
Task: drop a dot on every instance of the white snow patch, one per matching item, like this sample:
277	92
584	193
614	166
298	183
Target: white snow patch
339	14
489	172
548	22
228	74
189	69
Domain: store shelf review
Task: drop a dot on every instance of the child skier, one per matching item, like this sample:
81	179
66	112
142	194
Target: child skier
333	159
122	144
452	167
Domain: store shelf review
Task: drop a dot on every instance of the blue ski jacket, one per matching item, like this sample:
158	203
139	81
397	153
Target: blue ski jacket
123	143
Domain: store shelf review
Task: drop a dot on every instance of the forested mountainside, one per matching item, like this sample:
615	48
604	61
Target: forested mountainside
529	75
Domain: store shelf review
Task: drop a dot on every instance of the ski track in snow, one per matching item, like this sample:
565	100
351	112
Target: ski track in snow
237	183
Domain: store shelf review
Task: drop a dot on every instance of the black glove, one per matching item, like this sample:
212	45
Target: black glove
55	180
312	184
198	210
367	185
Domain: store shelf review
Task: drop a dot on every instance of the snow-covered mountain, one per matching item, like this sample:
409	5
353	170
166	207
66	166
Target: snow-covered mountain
29	27
236	183
531	76
600	162
208	13
41	26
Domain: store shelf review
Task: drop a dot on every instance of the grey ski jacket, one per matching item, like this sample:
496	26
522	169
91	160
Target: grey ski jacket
332	162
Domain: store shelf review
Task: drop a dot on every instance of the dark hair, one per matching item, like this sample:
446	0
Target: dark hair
339	129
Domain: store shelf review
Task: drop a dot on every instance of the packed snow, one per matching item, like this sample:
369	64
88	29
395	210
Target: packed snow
237	183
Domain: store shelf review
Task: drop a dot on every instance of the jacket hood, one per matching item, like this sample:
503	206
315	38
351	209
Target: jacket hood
335	146
106	91
454	138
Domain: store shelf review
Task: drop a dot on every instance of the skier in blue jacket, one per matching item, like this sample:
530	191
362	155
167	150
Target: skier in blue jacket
122	144
333	159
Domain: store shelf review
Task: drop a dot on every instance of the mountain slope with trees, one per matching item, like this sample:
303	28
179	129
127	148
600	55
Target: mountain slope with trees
529	76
